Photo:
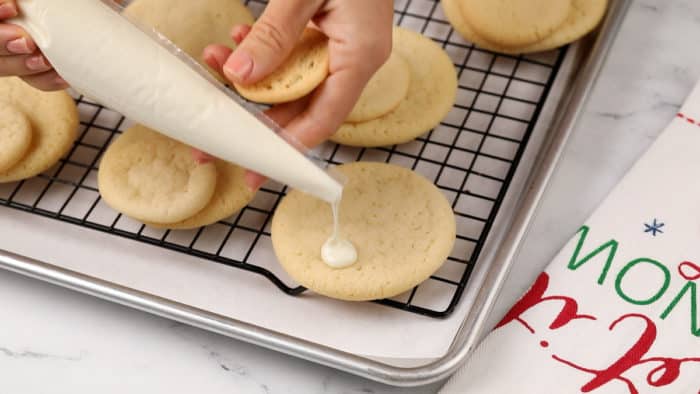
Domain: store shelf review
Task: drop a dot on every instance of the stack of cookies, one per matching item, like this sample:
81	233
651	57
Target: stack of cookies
157	180
412	105
523	26
36	129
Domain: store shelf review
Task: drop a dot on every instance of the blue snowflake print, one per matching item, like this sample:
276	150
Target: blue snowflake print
654	228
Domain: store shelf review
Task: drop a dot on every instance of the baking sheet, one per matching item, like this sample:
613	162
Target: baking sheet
365	329
361	328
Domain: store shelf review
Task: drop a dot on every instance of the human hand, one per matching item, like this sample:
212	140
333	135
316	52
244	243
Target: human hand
19	55
360	39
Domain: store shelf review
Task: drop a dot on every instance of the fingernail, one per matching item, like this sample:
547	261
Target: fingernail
37	63
239	66
20	46
7	10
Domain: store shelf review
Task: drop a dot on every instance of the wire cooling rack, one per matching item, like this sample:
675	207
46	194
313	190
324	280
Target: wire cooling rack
471	156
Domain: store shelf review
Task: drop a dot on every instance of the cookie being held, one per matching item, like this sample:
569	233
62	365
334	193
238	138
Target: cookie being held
302	72
401	225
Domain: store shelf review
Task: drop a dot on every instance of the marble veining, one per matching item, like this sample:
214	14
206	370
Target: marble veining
36	355
54	340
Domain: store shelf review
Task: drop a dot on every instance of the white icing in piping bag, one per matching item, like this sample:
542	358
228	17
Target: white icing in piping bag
108	58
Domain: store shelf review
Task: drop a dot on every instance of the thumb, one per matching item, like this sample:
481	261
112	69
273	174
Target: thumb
270	41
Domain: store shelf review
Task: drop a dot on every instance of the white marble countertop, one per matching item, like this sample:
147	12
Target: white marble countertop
56	341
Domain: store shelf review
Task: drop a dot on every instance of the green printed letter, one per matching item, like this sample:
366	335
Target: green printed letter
657	295
576	261
690	288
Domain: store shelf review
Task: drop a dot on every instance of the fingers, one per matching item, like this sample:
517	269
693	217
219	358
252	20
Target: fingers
23	65
283	114
8	9
18	52
47	81
14	41
215	55
311	121
270	40
329	107
19	55
240	32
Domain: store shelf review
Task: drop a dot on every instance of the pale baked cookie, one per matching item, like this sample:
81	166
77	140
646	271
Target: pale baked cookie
585	15
153	178
192	25
15	135
230	196
401	224
515	23
430	96
303	71
53	117
384	92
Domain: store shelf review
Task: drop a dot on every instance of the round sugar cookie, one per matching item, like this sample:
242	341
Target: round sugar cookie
515	23
153	178
192	25
585	15
303	71
401	225
230	196
53	118
384	92
15	135
431	94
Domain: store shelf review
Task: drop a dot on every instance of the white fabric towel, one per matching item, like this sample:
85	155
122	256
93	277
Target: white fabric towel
616	312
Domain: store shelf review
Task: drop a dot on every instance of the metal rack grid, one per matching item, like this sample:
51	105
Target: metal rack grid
471	156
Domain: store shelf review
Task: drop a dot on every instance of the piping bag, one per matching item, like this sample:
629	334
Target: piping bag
140	74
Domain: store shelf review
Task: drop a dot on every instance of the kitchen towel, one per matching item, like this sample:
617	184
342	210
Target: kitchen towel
617	309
